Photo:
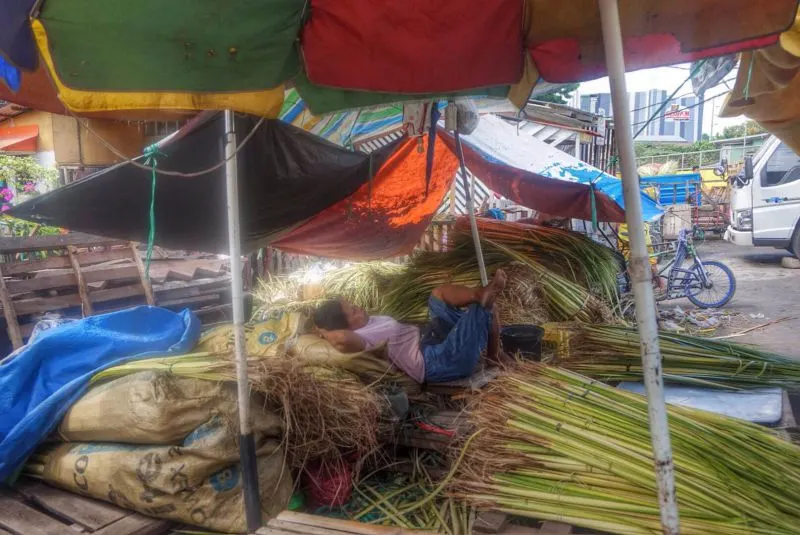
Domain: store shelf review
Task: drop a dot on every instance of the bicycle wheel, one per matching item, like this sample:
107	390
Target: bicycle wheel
721	287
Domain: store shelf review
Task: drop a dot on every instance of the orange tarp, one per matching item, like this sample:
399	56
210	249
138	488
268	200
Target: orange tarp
19	138
385	217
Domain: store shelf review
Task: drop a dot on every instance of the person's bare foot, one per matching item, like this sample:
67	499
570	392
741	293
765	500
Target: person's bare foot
493	289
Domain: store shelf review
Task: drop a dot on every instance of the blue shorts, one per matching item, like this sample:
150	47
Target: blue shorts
453	342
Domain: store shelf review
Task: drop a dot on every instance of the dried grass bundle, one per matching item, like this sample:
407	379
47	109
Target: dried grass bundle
522	301
326	412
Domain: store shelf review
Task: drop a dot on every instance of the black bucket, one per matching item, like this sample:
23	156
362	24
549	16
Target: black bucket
525	340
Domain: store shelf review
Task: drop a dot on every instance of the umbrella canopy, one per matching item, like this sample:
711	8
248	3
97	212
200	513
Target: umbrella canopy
767	88
117	54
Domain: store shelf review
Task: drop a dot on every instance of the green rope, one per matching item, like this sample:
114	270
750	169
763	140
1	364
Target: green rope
594	207
151	154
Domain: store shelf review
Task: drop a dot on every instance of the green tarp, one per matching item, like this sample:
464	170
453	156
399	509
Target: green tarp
204	45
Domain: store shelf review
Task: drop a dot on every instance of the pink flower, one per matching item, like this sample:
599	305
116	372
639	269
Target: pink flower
5	208
29	187
7	194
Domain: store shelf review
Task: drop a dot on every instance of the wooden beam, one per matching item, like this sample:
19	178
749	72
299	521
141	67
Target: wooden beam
19	518
83	291
38	305
45	281
58	262
146	286
91	514
35	243
10	314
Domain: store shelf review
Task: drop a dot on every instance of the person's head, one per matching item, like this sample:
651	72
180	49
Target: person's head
695	169
338	314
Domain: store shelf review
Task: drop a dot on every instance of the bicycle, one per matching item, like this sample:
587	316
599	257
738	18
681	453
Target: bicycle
706	284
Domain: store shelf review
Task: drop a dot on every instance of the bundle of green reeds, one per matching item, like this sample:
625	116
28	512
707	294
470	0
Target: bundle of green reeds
613	353
576	278
326	412
573	255
364	284
412	501
554	445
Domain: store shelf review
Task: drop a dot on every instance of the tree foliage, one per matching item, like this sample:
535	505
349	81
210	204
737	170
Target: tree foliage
558	96
22	177
747	128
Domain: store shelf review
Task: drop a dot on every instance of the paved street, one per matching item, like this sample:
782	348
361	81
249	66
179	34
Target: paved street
763	287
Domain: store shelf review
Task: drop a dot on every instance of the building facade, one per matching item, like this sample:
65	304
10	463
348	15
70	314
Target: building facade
679	120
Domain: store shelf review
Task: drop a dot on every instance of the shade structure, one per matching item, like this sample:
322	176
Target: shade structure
767	88
285	177
207	49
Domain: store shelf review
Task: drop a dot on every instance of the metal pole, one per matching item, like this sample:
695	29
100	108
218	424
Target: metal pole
247	445
469	189
640	272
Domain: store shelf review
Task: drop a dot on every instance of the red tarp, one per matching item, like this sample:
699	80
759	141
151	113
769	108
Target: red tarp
385	218
414	46
548	195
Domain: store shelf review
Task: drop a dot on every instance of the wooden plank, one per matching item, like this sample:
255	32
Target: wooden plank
10	314
36	243
83	291
89	513
44	281
281	526
20	519
59	262
210	298
347	526
136	524
39	305
490	522
146	286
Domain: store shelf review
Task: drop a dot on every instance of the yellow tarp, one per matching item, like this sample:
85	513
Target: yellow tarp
774	88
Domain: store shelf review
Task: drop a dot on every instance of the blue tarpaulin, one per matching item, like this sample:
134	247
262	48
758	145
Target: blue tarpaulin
10	75
40	382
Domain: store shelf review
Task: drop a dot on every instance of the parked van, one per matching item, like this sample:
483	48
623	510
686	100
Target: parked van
765	199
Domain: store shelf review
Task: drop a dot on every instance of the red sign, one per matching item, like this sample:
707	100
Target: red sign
677	114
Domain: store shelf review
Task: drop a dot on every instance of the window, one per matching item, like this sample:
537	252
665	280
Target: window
783	167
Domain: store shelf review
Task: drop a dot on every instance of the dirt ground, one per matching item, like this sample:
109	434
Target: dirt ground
763	286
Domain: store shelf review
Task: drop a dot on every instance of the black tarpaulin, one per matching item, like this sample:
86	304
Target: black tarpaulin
285	176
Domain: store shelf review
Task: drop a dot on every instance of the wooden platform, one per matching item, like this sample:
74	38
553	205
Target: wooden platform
33	508
491	522
291	523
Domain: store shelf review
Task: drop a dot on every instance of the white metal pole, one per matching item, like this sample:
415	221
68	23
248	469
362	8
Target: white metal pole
640	271
247	450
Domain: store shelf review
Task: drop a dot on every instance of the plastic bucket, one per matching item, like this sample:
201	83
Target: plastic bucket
525	340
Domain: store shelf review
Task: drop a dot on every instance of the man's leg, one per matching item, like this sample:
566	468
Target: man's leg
461	296
458	356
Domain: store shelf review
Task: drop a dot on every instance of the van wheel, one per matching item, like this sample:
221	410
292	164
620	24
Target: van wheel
794	247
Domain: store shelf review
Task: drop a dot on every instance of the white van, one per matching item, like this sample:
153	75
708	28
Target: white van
765	200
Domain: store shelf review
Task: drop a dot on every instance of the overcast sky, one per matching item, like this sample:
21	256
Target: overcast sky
669	78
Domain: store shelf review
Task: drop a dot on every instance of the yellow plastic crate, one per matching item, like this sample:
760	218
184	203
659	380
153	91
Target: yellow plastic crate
556	338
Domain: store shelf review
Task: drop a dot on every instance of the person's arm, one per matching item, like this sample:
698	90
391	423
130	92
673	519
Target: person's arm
344	340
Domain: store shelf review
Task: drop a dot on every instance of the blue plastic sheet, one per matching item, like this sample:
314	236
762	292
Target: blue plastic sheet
40	382
10	75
